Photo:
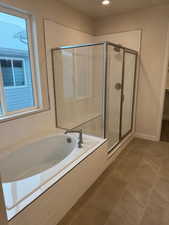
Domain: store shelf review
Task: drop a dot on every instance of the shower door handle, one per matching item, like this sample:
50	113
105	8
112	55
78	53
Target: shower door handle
118	86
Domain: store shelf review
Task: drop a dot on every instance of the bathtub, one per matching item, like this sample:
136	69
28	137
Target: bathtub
31	169
36	157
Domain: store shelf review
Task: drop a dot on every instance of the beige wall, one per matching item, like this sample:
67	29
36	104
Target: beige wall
31	126
17	130
59	35
72	112
131	39
154	25
55	11
34	125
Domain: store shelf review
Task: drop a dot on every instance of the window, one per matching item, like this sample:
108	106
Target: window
13	72
18	83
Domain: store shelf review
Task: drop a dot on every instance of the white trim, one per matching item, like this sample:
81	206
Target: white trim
163	86
32	59
2	98
17	112
146	136
14	11
20	114
34	62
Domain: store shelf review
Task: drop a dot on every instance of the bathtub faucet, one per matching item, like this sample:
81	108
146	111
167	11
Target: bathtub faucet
80	142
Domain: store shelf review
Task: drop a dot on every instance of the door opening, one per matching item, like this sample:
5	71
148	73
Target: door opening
165	117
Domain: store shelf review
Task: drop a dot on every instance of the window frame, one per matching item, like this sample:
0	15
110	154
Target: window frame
13	73
34	66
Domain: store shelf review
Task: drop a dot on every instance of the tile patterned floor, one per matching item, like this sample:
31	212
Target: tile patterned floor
134	190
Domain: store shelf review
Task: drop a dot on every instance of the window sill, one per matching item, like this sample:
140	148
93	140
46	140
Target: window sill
12	87
22	114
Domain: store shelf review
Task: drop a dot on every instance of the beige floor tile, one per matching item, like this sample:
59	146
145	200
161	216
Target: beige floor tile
127	212
146	173
162	188
140	191
157	199
126	168
154	215
164	171
90	216
107	194
134	190
157	212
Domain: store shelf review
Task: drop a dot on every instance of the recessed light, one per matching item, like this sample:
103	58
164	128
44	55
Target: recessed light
105	2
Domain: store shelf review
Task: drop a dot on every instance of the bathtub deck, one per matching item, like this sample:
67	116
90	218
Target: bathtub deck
35	185
133	191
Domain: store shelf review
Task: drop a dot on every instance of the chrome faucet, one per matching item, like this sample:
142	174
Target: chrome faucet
80	142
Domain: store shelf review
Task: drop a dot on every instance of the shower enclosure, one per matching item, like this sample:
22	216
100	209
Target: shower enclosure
94	86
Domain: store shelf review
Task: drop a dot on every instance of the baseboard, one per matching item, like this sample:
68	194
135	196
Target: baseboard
145	136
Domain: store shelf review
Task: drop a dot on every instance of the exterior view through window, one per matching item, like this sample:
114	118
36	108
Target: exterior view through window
17	81
13	72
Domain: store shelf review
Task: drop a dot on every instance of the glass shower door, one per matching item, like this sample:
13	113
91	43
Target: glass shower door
114	93
128	92
79	88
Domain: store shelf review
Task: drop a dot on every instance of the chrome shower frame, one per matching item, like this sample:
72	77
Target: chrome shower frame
116	48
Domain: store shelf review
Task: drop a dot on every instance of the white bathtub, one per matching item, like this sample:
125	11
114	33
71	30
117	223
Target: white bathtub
33	168
36	157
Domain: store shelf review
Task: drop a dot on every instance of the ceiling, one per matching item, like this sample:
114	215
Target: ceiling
95	9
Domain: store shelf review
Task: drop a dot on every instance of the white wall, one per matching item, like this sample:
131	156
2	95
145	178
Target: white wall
57	35
154	25
38	124
131	39
70	112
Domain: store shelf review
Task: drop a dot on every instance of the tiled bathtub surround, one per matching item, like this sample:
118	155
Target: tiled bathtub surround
134	190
